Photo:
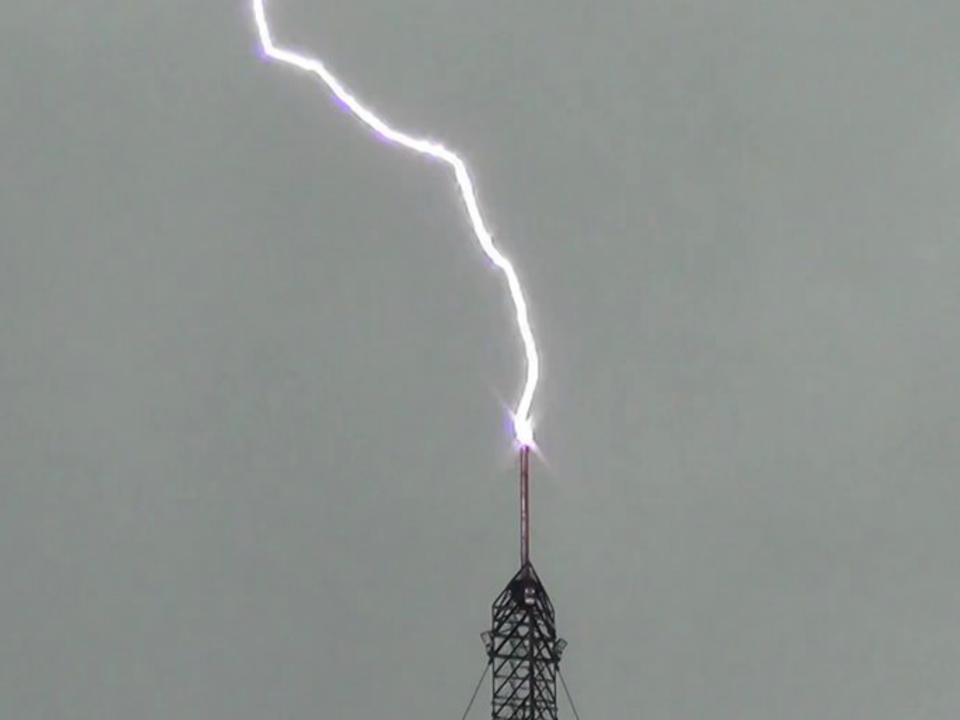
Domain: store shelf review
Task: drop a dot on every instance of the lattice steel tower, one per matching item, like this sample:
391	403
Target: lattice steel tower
522	644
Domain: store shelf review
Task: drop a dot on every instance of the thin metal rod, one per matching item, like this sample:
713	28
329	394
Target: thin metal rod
524	505
476	690
569	696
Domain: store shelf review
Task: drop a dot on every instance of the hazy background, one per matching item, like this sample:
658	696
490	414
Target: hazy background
254	454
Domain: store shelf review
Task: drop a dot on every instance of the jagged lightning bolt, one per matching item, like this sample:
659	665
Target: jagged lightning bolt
523	426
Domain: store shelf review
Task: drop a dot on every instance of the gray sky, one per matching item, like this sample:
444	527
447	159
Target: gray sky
254	458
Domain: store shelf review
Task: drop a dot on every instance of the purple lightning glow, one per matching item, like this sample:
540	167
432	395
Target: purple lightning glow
522	422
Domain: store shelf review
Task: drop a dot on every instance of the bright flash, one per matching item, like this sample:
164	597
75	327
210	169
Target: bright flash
521	418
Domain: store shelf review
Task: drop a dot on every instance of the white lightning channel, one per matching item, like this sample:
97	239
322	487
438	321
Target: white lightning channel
522	422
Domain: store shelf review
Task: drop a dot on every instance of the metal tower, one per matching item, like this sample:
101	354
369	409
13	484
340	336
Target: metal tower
522	644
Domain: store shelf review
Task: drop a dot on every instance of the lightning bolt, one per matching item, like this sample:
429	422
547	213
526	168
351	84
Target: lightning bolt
522	422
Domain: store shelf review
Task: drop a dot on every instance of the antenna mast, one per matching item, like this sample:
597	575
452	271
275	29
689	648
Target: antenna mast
522	642
524	506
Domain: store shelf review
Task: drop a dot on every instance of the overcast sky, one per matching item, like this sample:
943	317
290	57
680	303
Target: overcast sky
255	458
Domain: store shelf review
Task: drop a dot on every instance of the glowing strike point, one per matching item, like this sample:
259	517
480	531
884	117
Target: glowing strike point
522	423
524	431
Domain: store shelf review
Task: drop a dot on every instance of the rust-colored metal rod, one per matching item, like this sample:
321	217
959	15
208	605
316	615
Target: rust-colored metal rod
524	505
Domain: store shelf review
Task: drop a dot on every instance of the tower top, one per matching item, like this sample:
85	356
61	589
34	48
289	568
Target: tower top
524	650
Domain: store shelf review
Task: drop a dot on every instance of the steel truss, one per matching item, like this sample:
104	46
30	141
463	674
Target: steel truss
524	650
